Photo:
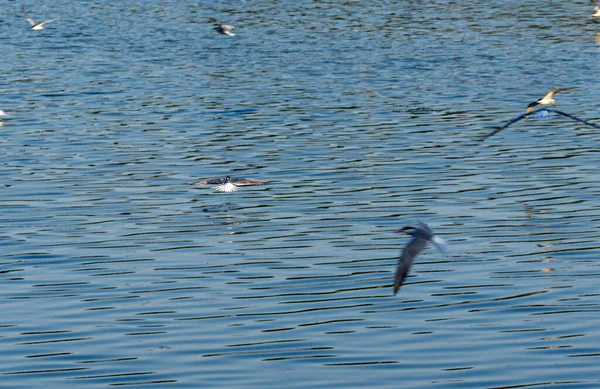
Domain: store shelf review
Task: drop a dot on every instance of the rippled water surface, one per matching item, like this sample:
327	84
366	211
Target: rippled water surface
364	117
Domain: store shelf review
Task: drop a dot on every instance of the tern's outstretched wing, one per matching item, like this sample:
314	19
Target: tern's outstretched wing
48	21
248	181
412	249
551	94
209	181
29	19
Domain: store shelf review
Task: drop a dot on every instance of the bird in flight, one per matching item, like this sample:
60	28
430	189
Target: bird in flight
225	29
34	25
548	99
543	113
227	184
421	236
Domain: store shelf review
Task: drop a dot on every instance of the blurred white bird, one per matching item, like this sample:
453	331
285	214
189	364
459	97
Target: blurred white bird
548	99
421	236
34	25
225	29
227	184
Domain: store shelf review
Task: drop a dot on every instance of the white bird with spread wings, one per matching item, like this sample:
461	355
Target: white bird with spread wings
227	184
34	25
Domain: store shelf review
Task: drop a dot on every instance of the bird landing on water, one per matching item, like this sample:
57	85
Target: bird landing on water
228	184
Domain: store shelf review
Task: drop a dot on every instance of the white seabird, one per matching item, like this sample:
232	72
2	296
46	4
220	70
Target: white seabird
225	29
34	25
548	99
227	184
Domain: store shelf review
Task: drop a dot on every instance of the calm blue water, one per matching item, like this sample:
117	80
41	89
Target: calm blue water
364	117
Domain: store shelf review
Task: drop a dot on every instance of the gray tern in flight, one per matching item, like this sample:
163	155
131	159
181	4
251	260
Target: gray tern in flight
225	29
34	25
227	184
421	236
543	113
548	99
